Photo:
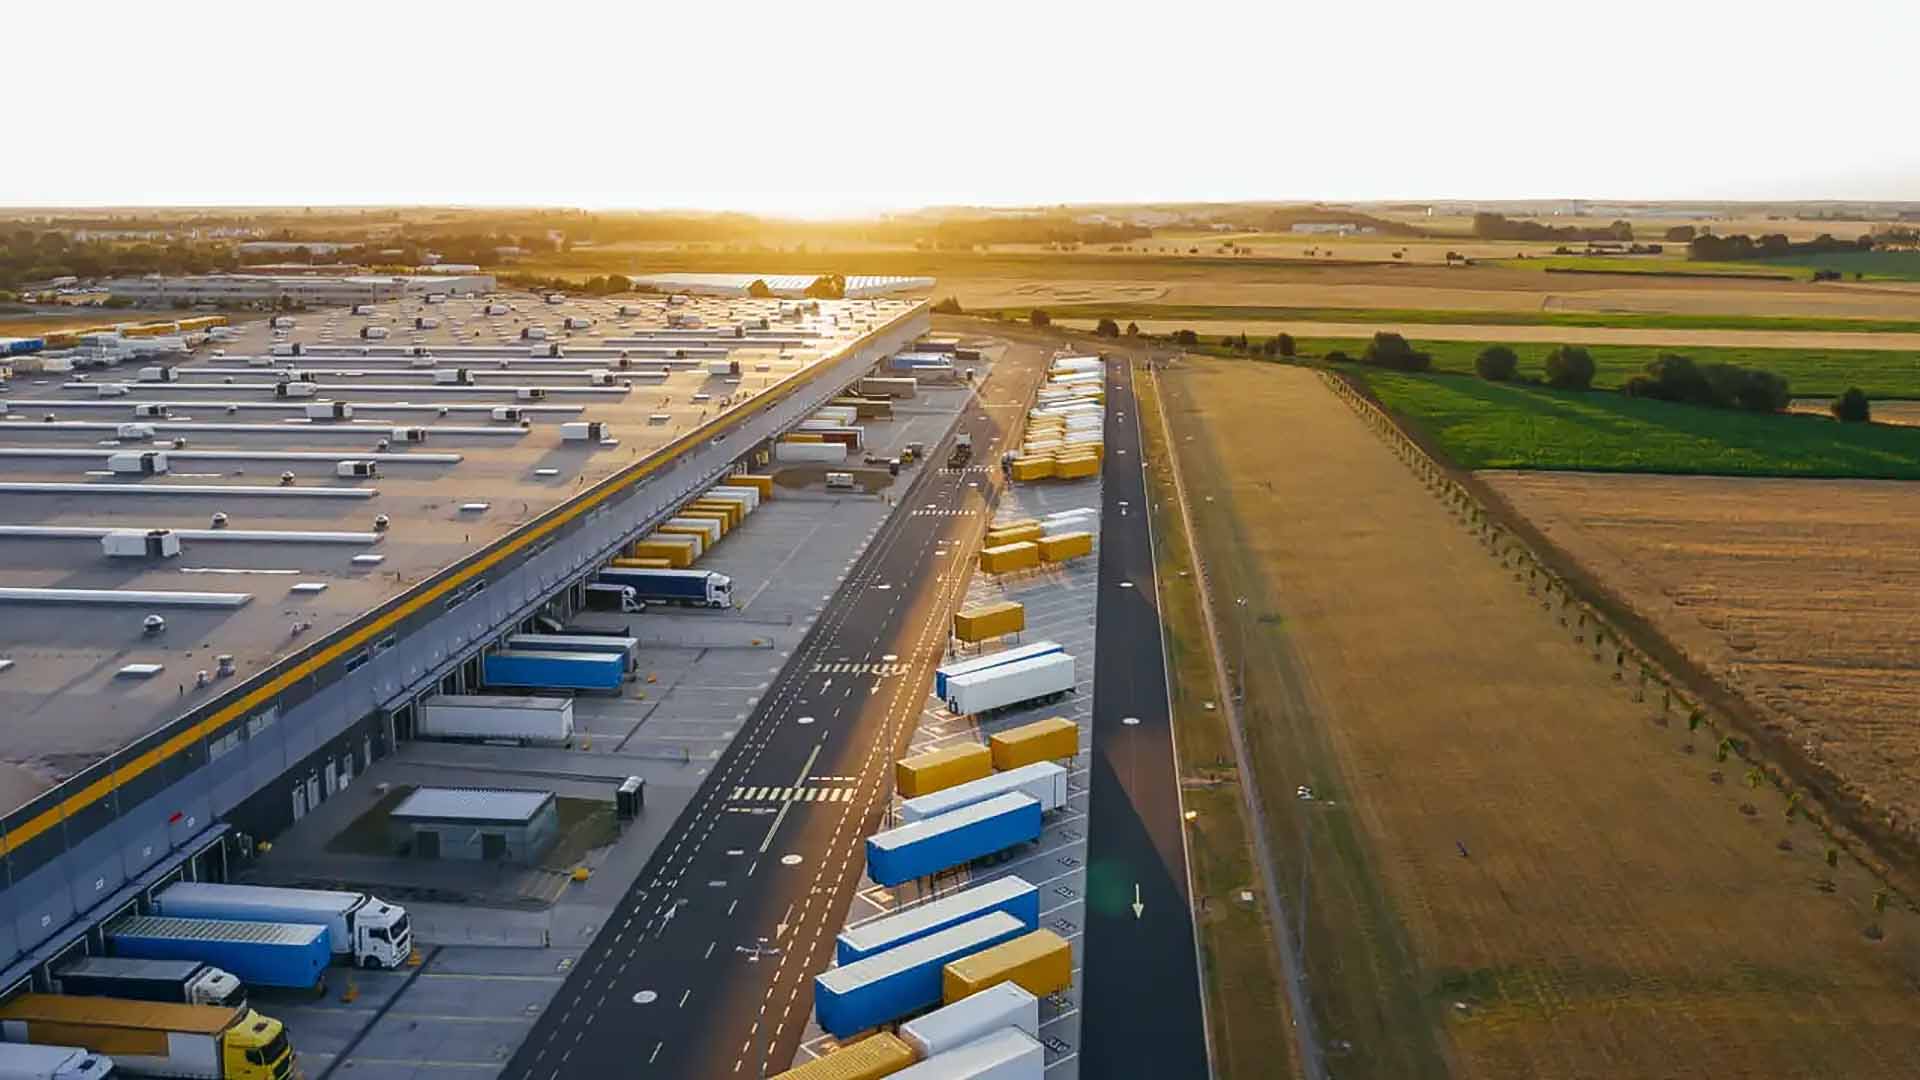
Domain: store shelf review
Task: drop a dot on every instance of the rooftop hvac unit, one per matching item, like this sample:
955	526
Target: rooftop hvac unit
410	434
583	431
137	463
357	469
110	390
575	322
426	322
259	361
134	544
159	374
507	412
329	410
296	390
533	333
531	393
549	350
133	432
453	377
599	378
152	410
373	333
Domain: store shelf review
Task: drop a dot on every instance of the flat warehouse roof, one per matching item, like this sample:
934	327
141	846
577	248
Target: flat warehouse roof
255	494
478	805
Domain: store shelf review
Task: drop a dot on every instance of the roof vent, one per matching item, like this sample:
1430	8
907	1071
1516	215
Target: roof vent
381	522
153	624
286	478
219	520
232	408
225	664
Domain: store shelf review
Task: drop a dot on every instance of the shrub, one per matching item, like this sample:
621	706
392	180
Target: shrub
1186	337
1133	329
1107	328
1496	363
1852	407
948	306
1039	318
1392	351
1569	367
1337	357
1736	387
1283	344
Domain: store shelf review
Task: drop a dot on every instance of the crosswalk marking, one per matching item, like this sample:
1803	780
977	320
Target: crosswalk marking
792	794
881	669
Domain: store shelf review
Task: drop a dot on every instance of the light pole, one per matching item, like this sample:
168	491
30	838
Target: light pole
753	953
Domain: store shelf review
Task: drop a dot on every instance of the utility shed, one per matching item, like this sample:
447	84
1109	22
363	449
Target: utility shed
477	824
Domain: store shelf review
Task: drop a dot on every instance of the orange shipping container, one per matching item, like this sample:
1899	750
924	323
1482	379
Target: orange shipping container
1041	963
1074	468
936	770
1051	739
1009	557
679	556
989	621
1066	546
1032	468
803	436
876	1056
762	484
998	537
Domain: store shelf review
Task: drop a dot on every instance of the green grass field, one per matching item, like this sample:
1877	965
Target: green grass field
1893	265
1482	425
1666	264
1884	375
1200	313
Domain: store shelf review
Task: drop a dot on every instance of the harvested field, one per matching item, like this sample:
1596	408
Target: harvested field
1517	870
1794	592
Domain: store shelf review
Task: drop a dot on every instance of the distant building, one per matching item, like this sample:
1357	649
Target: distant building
476	824
285	247
1331	228
313	289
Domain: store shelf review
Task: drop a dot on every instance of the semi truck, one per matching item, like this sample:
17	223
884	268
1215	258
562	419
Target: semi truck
1012	894
283	956
991	660
147	1038
495	716
175	982
19	1061
885	987
925	848
361	928
700	588
604	596
625	648
1043	678
553	670
1043	780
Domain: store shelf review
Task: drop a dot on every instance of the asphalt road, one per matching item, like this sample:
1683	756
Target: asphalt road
1141	997
665	989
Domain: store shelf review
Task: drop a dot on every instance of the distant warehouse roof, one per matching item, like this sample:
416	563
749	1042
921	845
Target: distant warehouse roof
859	287
473	805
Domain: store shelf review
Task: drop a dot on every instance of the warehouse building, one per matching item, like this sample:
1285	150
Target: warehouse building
786	286
313	290
373	527
476	824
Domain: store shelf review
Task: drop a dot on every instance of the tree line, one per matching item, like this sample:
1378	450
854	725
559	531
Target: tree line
1491	226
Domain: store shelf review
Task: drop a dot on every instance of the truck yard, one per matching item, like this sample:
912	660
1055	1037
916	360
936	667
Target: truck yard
639	811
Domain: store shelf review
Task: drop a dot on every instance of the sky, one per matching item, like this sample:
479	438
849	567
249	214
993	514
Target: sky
845	107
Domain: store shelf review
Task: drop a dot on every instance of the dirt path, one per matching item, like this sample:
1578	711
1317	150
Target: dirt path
1512	860
1573	335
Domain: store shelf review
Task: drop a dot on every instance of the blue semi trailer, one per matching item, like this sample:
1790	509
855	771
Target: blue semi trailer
1012	895
286	956
554	670
700	588
952	839
975	664
889	985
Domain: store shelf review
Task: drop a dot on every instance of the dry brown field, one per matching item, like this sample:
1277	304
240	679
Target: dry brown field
1797	593
1517	869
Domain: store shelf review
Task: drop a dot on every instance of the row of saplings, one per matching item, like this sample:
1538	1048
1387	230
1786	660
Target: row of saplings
1668	377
